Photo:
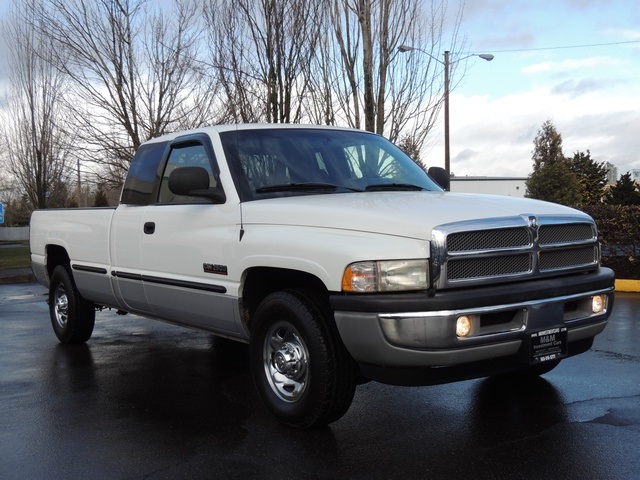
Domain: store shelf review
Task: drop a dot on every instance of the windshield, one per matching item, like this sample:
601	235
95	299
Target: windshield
285	162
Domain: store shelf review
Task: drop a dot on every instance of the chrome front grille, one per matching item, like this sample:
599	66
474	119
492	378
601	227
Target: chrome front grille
488	239
568	258
486	267
559	234
515	248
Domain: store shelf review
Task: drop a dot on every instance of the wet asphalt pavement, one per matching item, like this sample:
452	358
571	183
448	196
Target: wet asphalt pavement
148	400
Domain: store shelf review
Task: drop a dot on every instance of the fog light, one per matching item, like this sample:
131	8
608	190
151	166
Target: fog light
463	326
598	303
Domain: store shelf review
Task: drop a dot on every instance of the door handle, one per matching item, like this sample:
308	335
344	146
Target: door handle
149	228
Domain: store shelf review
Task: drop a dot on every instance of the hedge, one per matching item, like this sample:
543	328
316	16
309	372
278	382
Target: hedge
619	228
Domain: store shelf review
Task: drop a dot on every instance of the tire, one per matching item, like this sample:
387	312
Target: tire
303	372
72	317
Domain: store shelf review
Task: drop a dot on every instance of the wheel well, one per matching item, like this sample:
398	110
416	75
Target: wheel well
262	281
56	255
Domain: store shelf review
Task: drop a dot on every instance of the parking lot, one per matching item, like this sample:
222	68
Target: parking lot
148	400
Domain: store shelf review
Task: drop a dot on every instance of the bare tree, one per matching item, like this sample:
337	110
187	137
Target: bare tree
262	52
369	84
135	72
132	72
35	145
333	62
241	90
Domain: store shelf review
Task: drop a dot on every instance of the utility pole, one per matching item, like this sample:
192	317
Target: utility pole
447	151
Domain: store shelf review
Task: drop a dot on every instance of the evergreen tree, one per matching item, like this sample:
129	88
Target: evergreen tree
547	146
555	183
100	199
410	146
624	192
552	178
592	177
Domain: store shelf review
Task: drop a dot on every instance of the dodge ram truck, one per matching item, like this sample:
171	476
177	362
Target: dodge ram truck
335	257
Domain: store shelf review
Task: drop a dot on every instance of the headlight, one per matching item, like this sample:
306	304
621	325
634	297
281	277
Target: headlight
386	276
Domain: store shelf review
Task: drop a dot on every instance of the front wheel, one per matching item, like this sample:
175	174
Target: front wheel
302	370
72	317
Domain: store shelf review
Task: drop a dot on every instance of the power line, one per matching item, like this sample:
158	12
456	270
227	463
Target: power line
565	47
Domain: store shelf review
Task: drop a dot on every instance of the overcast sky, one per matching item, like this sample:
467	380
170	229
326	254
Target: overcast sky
590	93
4	53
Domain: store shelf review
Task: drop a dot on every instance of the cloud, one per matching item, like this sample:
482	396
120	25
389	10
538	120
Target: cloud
517	39
591	94
575	88
622	33
465	155
583	3
573	65
494	136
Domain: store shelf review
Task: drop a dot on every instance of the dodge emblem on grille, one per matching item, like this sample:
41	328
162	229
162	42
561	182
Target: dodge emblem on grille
533	221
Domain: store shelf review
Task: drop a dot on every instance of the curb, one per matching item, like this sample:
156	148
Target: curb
628	286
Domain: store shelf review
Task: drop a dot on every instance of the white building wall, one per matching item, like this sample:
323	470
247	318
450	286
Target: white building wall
509	186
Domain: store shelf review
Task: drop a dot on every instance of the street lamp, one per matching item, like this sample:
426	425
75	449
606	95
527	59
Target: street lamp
447	65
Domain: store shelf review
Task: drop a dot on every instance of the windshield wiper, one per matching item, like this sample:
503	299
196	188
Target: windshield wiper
301	187
393	186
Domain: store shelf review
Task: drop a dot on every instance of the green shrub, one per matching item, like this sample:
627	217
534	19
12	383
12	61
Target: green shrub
619	228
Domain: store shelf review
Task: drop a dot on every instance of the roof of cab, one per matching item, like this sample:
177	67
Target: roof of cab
246	126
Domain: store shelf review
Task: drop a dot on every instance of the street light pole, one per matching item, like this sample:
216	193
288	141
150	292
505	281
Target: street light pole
447	150
447	67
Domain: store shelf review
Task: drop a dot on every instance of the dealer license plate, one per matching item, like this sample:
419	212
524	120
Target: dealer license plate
546	345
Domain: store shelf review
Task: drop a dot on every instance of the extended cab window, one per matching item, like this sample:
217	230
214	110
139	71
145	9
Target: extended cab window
138	187
189	155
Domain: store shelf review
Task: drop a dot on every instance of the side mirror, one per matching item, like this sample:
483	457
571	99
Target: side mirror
440	176
194	182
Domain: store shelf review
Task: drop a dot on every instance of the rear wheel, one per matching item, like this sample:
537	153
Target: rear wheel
301	368
72	317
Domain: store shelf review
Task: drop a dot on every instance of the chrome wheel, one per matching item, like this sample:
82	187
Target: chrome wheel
286	361
72	317
302	371
61	306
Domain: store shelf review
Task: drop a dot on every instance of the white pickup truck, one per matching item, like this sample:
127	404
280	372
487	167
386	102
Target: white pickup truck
335	257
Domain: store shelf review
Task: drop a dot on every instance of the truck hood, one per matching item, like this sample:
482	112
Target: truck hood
406	214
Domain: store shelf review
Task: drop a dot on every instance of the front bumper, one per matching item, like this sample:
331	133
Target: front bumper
418	330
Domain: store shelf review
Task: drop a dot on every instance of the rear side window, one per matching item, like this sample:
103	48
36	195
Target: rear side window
138	187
